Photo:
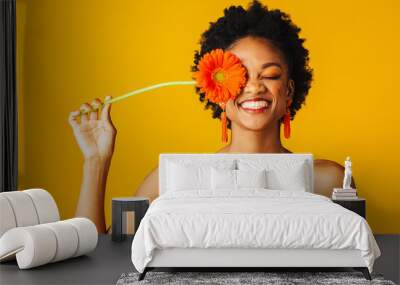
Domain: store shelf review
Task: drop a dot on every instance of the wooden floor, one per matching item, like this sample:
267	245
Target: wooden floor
110	260
389	262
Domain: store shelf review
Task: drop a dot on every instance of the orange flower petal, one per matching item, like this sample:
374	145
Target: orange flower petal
221	88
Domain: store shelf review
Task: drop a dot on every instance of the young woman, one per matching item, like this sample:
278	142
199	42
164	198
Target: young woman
278	79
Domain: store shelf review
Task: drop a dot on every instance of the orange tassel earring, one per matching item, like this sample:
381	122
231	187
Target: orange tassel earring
286	125
224	129
286	121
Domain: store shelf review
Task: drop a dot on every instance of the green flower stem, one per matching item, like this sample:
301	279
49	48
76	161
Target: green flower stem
122	97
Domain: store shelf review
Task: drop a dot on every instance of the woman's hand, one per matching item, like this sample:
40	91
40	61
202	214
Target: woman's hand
95	133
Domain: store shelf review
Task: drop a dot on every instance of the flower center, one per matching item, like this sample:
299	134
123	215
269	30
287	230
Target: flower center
219	76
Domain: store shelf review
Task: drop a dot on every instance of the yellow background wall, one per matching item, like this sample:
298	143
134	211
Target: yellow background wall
71	51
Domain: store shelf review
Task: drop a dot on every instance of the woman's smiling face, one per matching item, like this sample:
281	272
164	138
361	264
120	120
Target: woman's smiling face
263	101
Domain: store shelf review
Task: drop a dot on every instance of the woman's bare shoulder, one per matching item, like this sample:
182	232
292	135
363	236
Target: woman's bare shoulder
328	174
328	165
149	186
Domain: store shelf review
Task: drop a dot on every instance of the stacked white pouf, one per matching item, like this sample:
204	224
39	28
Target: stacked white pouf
31	230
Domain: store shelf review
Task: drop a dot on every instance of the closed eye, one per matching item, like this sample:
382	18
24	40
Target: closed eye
271	77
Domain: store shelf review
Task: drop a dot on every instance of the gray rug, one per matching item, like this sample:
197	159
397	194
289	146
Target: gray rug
231	278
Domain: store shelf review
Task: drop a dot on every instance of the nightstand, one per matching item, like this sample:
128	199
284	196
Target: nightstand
357	205
127	212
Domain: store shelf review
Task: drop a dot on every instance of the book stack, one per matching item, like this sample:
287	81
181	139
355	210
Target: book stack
344	194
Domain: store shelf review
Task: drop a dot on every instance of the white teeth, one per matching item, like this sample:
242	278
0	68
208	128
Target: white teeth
254	104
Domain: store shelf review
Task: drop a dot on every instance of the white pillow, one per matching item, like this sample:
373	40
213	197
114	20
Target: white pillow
182	177
236	179
223	179
287	179
251	178
282	174
185	174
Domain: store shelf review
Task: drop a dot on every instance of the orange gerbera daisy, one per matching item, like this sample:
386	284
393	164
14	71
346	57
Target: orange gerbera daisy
221	76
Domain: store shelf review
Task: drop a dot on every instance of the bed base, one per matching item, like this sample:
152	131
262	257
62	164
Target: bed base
250	259
363	270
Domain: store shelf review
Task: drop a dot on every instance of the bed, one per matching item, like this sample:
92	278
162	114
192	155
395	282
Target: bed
245	211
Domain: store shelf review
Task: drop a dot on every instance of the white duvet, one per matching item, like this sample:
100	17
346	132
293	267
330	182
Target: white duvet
251	218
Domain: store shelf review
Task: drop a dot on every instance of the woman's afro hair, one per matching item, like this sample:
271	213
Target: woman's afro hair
258	21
